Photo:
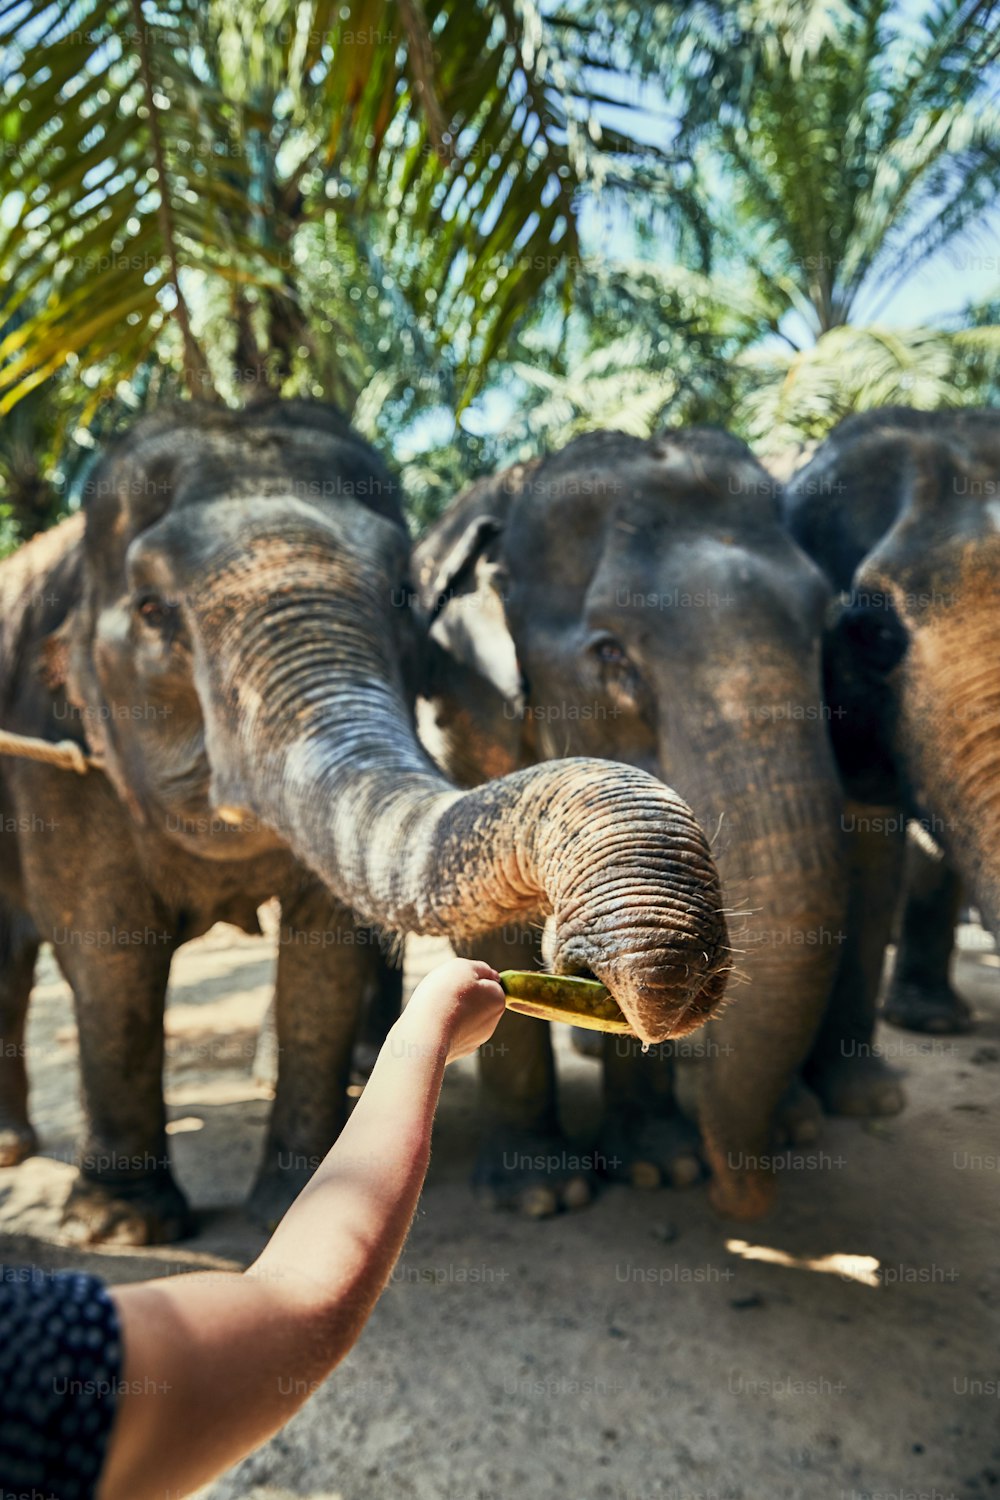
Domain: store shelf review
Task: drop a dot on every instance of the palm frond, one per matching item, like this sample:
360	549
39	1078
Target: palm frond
153	147
798	397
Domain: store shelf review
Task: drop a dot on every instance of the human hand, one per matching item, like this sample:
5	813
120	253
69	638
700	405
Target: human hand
460	1002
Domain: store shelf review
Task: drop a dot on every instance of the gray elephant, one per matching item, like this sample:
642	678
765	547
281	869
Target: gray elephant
901	509
228	631
641	600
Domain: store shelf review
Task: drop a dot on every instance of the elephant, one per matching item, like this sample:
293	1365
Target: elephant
919	995
901	510
641	600
229	631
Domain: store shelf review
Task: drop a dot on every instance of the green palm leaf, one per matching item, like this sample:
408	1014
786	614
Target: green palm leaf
797	396
834	146
177	142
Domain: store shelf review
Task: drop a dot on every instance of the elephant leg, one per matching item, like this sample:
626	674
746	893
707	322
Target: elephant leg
799	1118
380	1008
844	1069
919	996
644	1138
18	951
125	1192
738	1089
381	1005
525	1162
587	1043
325	963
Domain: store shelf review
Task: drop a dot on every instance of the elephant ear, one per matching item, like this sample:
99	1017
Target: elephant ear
54	653
861	648
59	658
457	572
471	712
468	725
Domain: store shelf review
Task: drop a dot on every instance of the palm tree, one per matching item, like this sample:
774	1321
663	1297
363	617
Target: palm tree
28	499
832	146
644	345
161	158
793	396
827	149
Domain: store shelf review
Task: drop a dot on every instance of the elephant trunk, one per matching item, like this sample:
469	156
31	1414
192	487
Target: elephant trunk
949	729
309	727
772	802
780	857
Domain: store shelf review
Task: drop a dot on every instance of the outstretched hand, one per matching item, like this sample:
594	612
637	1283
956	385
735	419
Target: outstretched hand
460	1003
232	1356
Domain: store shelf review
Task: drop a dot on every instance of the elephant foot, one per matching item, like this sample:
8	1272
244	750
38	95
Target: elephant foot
588	1043
532	1172
936	1011
798	1120
863	1087
148	1211
744	1196
275	1190
17	1143
650	1151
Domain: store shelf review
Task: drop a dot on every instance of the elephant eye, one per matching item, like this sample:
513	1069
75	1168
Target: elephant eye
154	612
876	632
610	652
615	674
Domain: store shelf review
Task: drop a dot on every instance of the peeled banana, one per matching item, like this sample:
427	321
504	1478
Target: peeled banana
559	997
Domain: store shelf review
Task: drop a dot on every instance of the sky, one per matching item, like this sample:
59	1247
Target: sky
966	273
941	288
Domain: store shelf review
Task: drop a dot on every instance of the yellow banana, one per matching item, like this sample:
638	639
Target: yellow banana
559	997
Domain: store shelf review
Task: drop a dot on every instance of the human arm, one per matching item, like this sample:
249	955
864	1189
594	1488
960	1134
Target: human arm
214	1364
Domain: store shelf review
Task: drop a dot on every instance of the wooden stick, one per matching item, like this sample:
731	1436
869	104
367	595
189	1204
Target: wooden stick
67	754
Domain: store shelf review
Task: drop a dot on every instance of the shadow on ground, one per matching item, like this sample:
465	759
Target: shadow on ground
641	1350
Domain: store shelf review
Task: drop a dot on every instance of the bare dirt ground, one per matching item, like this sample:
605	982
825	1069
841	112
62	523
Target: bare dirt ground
846	1349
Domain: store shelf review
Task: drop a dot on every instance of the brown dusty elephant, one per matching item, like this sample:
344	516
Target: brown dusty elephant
901	509
223	631
641	600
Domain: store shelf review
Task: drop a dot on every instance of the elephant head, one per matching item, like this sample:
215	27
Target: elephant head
658	613
245	657
903	510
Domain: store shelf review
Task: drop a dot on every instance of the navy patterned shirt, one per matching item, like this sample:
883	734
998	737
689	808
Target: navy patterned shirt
60	1371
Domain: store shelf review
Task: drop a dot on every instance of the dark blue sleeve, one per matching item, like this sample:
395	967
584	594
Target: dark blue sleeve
60	1372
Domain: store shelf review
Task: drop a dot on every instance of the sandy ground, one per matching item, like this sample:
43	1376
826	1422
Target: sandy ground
846	1349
